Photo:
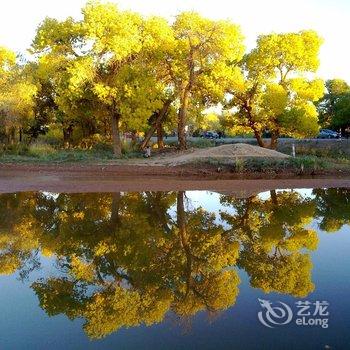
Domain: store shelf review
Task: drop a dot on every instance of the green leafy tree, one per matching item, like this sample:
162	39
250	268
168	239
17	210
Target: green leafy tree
334	107
332	208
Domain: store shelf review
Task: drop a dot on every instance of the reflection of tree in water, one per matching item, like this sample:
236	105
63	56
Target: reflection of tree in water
18	234
333	208
124	259
200	253
274	237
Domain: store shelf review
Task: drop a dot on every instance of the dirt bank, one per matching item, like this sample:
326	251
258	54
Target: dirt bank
98	178
225	152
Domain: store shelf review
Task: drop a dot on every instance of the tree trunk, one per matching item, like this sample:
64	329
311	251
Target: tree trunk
105	127
67	136
12	137
181	215
259	139
157	211
116	197
160	140
273	195
148	136
160	117
20	135
182	119
117	142
181	223
274	140
257	133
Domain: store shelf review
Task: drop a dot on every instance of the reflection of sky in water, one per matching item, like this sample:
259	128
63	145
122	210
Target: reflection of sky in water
24	325
211	200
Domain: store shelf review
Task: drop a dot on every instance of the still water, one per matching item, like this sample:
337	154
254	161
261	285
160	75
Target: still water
175	270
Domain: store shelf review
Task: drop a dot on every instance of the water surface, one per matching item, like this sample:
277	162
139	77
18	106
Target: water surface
174	270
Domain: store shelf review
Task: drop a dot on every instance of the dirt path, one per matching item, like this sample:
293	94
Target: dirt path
101	178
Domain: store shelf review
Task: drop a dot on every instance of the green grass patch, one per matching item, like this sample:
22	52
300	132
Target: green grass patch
337	150
47	154
299	165
37	152
200	143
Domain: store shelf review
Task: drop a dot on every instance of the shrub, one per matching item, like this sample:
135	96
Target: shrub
308	162
256	164
18	149
53	137
239	165
102	147
201	143
130	147
95	141
40	150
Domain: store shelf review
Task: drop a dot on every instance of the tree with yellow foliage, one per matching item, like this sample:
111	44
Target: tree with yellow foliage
277	94
17	92
197	63
120	65
104	66
114	71
59	50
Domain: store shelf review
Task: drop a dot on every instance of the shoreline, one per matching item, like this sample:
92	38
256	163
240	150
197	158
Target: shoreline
79	178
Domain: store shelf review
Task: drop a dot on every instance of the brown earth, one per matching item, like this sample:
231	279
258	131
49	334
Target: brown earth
230	152
114	178
227	152
164	172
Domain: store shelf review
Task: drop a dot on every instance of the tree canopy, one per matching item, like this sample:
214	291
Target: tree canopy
113	72
17	92
334	107
276	95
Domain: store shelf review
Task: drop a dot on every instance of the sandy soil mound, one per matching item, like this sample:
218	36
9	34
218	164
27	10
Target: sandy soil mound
227	152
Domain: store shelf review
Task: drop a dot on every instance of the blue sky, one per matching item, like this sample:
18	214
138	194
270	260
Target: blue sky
331	19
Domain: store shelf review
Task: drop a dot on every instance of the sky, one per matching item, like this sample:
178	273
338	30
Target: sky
330	18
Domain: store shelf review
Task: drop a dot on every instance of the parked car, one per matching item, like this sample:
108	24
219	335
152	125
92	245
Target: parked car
328	134
210	135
